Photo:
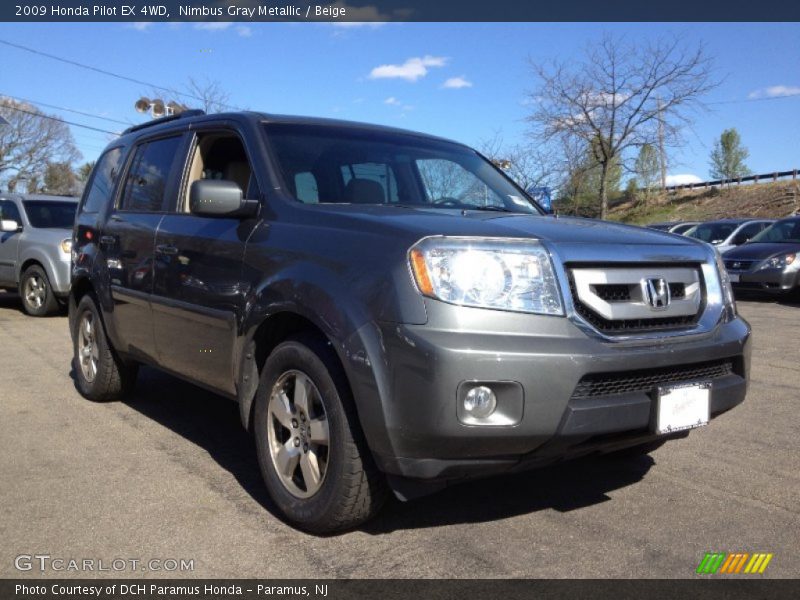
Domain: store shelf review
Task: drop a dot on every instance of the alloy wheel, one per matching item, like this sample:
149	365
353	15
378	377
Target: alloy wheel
298	434
88	352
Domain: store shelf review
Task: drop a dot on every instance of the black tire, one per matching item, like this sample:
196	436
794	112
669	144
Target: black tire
113	379
352	490
36	293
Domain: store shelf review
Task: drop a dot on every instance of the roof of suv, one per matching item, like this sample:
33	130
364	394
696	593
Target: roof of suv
197	116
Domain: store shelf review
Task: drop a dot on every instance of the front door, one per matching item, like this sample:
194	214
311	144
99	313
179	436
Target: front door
197	290
128	241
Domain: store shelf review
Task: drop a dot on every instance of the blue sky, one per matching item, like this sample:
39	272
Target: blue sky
464	81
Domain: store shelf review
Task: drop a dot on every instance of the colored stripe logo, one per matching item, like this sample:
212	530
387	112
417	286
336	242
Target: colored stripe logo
734	563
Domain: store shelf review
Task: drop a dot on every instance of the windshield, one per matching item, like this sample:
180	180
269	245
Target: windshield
780	232
49	214
713	233
329	164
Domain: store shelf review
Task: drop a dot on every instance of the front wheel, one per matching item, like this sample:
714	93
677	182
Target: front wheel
311	451
38	299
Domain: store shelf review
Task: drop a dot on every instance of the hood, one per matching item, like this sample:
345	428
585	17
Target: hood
430	221
759	251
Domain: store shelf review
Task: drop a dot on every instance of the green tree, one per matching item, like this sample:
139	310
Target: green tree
84	171
728	156
60	179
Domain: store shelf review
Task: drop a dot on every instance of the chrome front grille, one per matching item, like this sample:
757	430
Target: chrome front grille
623	300
739	265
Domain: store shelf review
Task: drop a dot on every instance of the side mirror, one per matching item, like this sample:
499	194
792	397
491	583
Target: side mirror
220	198
9	226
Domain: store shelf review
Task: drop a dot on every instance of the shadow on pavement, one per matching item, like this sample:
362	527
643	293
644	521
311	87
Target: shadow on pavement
212	423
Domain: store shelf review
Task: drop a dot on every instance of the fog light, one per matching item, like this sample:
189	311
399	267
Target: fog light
480	402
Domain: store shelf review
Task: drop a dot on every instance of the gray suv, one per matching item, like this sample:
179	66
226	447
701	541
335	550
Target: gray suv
35	244
388	309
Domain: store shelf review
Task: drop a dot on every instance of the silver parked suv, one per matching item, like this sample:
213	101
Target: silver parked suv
35	245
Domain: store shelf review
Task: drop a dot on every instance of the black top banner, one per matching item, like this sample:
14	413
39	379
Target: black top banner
400	10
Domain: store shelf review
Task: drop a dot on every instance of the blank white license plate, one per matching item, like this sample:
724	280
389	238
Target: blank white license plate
734	277
682	407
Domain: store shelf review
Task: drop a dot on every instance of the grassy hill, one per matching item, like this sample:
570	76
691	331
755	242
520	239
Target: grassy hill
775	199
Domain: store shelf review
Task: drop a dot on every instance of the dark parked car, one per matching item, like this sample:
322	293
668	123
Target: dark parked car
388	309
770	262
35	244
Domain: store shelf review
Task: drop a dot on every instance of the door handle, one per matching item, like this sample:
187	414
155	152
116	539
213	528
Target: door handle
166	249
107	240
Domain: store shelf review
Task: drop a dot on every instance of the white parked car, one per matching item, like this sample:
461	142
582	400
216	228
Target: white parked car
726	234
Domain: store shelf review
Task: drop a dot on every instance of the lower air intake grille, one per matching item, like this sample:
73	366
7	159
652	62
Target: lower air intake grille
646	380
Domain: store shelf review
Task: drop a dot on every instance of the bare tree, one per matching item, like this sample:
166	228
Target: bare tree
29	142
618	96
529	165
209	93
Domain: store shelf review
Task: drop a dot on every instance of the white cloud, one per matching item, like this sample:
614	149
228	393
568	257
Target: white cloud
214	25
140	25
775	91
456	83
392	101
682	179
411	70
244	31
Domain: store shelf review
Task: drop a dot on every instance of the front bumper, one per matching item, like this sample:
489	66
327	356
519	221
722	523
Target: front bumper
767	280
547	357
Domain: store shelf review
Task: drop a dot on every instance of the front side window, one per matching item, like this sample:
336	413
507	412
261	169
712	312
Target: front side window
50	214
221	156
103	180
146	183
780	232
347	165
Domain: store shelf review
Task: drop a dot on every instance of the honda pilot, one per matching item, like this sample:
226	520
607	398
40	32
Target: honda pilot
388	309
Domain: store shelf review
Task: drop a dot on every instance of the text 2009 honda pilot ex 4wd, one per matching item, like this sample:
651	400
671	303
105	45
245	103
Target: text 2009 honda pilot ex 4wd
388	309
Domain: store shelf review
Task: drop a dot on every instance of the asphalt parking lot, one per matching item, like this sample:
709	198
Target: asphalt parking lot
170	474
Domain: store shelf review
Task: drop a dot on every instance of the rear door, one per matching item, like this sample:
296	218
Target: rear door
9	244
198	293
128	240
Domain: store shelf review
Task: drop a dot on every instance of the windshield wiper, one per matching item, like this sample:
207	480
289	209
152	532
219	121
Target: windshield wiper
490	208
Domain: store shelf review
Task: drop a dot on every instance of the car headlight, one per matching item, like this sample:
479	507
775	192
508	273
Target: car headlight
781	262
503	274
725	283
66	246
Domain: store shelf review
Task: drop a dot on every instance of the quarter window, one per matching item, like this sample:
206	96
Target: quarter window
146	184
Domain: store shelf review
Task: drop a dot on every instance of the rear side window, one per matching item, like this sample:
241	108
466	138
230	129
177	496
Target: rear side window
104	178
146	183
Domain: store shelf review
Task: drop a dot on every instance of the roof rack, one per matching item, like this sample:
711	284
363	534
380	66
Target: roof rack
195	112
